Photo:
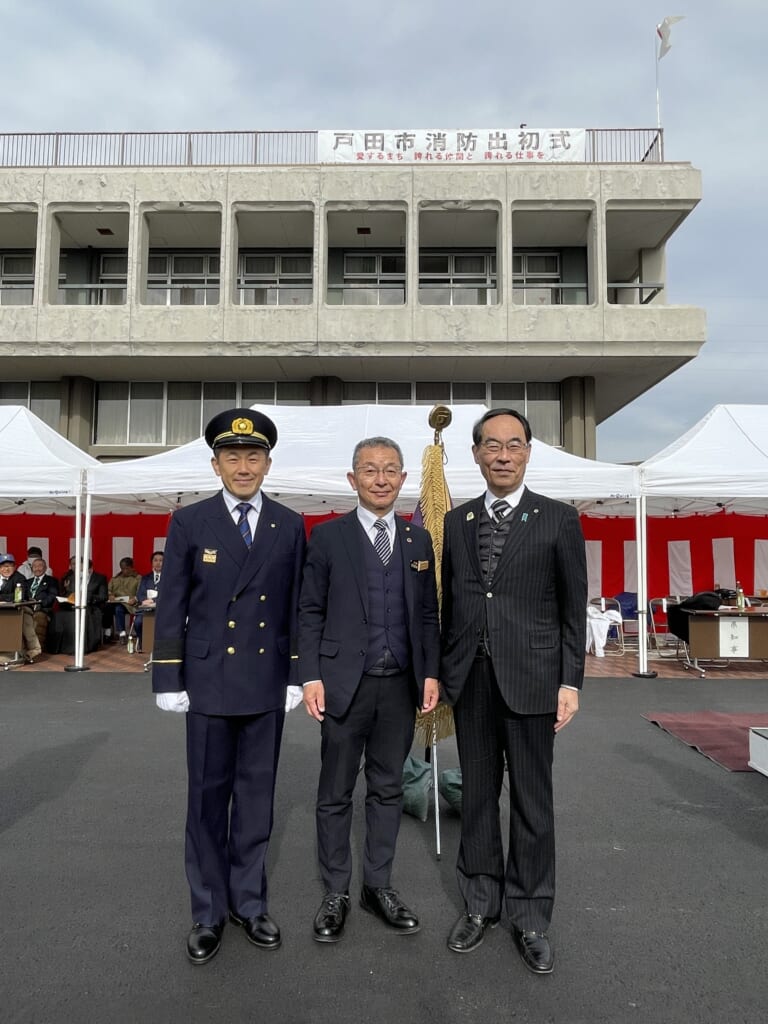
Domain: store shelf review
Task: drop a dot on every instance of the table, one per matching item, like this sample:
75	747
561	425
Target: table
147	630
11	634
708	638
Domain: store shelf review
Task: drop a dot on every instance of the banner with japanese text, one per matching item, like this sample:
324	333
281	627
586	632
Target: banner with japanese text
471	145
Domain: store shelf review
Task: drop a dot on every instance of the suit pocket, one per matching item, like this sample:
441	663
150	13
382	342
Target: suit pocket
196	647
544	638
329	648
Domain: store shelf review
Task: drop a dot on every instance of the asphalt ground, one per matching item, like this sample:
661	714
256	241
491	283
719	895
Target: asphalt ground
661	914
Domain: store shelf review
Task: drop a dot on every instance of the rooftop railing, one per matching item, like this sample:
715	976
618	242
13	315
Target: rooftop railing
249	149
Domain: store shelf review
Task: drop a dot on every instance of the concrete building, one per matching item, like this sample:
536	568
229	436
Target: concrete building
147	281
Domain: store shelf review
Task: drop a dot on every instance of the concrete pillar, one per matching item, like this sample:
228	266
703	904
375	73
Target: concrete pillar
578	404
77	410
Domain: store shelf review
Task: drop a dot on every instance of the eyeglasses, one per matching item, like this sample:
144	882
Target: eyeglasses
494	447
370	472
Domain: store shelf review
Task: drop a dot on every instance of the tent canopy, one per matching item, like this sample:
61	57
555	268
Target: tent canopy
42	471
720	463
314	453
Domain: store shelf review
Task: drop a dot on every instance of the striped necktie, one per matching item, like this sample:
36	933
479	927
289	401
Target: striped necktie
501	509
35	586
242	524
381	543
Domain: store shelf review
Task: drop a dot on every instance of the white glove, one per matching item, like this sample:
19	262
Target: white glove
173	701
293	697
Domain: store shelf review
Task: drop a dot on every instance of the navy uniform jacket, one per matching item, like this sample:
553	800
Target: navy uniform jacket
333	637
226	626
536	606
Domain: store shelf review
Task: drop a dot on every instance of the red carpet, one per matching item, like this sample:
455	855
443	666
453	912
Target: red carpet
721	737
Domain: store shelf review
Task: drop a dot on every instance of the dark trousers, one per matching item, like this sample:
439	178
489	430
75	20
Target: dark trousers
231	764
379	723
487	732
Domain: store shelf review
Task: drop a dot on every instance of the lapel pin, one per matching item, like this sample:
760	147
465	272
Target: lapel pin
470	516
409	540
273	525
524	517
535	511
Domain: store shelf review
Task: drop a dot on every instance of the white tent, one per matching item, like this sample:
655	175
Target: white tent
41	471
721	462
313	456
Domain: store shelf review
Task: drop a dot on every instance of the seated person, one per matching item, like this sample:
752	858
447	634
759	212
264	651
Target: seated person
61	632
10	579
121	594
26	567
43	589
149	589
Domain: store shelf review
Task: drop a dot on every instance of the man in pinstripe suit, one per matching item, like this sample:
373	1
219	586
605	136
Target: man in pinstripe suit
512	665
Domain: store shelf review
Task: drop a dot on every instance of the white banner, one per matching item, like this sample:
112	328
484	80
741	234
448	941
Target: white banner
453	146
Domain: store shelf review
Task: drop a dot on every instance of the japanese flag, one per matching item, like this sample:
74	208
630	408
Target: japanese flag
664	30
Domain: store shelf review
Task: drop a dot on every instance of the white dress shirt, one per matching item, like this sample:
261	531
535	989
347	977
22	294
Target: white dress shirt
253	515
367	520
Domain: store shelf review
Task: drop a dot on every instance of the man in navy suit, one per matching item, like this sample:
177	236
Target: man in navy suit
514	621
149	584
369	648
225	652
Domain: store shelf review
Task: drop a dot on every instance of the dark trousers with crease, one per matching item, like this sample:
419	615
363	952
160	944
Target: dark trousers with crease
231	765
378	723
487	733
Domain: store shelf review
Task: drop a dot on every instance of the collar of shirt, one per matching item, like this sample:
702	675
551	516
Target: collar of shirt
513	499
368	518
253	516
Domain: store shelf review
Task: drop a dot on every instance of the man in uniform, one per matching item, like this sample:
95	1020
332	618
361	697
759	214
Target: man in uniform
224	652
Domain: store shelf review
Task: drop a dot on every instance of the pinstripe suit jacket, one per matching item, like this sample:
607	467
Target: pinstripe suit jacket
535	606
226	626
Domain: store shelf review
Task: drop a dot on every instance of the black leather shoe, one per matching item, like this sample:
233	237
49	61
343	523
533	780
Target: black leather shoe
469	932
535	951
330	918
204	942
386	904
261	931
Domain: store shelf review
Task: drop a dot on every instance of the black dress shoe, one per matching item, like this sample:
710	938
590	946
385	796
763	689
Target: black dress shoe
535	951
204	942
386	904
469	932
261	930
330	918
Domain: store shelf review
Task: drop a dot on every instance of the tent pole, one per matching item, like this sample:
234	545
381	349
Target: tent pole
81	573
641	548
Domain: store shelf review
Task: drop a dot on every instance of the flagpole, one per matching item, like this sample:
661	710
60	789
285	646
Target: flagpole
656	49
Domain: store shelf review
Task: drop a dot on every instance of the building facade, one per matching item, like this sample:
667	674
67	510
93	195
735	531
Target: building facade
147	282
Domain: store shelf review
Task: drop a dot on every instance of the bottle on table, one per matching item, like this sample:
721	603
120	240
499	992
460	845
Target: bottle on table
18	593
740	602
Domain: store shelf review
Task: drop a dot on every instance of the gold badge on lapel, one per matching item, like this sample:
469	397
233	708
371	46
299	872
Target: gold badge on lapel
419	566
209	554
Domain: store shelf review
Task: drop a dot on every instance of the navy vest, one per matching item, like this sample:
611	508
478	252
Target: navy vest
387	625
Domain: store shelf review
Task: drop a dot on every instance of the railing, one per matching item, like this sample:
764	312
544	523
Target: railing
249	149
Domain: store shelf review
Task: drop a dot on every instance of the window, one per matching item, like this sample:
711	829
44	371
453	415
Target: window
113	277
457	278
17	279
42	397
533	275
182	279
540	402
275	279
172	413
370	279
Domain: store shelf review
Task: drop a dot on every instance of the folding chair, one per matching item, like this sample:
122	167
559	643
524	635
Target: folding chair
614	644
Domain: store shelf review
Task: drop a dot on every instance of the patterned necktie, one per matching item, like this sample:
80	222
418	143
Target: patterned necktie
242	523
35	585
381	543
500	509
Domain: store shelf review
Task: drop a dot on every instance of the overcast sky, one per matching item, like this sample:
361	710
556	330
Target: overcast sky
170	65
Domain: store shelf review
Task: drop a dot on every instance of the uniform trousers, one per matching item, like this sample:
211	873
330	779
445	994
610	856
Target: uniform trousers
379	722
487	733
231	765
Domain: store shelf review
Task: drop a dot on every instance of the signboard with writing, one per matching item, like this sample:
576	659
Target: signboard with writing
734	637
453	146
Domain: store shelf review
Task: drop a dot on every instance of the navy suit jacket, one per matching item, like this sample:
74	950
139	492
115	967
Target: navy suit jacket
47	592
536	605
225	629
333	611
